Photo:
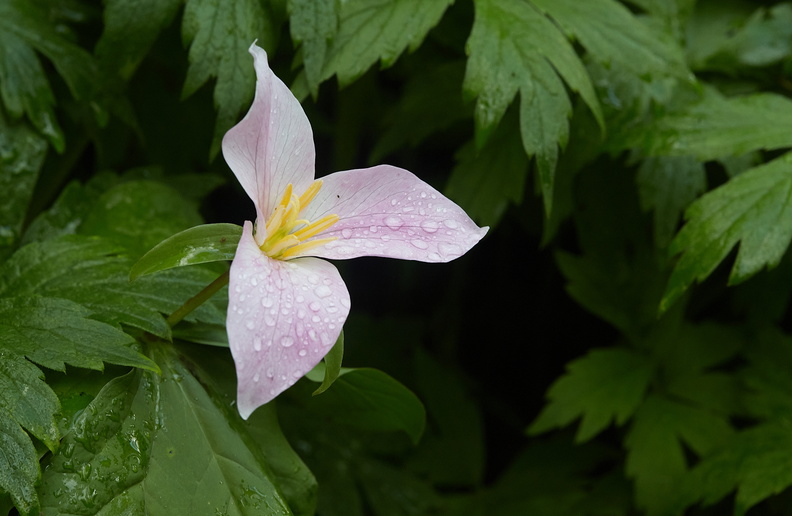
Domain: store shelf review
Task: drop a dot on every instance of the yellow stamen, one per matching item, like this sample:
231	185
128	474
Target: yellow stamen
286	234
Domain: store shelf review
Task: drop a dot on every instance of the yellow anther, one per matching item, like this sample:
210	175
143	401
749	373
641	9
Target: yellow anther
286	234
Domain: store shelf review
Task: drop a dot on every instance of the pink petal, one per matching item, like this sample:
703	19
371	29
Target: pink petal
387	211
273	145
283	317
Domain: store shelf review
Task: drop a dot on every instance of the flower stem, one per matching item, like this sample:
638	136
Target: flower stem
197	300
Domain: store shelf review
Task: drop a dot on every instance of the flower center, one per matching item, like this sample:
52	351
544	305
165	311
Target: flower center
286	233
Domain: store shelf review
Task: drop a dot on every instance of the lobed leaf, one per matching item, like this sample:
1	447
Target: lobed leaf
656	457
514	47
605	386
753	209
19	469
25	26
219	34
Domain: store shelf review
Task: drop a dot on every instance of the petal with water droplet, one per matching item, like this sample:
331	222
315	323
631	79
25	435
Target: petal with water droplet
278	349
382	212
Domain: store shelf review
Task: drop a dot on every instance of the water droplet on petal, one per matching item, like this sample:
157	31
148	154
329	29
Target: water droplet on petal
266	302
250	324
420	244
323	291
429	226
253	281
256	377
315	306
287	341
302	353
393	222
373	229
346	233
257	344
451	224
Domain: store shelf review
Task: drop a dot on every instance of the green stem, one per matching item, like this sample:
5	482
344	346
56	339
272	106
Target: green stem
197	300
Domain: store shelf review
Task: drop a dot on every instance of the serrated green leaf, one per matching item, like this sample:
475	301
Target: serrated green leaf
756	462
19	468
219	34
130	28
605	386
22	154
753	209
26	399
487	181
139	215
656	458
668	185
374	31
372	400
514	47
54	332
718	127
331	365
726	36
24	26
94	273
614	36
157	444
313	23
200	244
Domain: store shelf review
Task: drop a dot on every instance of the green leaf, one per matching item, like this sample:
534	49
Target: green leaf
656	457
371	400
129	31
200	244
331	365
26	400
668	185
718	127
728	36
22	154
313	24
366	32
157	444
54	332
19	468
614	36
514	47
485	182
219	34
753	209
139	215
94	273
605	386
24	27
756	462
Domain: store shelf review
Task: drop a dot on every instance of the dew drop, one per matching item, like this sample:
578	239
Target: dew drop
451	224
253	281
302	353
323	291
257	344
429	226
393	222
373	229
420	244
346	233
315	306
266	302
250	324
287	341
256	377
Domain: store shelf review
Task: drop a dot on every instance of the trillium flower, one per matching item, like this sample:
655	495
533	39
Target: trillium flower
286	305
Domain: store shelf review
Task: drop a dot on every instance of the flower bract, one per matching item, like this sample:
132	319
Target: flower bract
287	305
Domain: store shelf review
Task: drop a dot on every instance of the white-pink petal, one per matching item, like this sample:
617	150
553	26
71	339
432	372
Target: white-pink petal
388	211
283	317
273	145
